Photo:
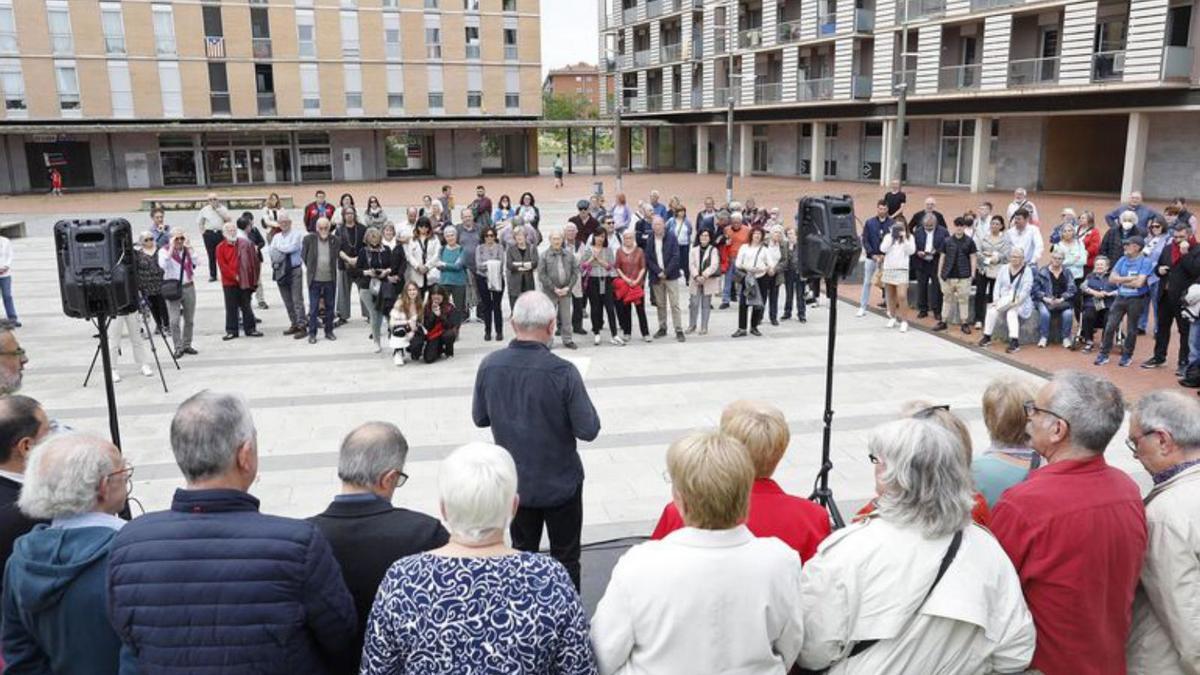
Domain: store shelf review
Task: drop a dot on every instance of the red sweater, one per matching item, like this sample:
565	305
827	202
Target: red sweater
795	521
1076	532
980	513
238	263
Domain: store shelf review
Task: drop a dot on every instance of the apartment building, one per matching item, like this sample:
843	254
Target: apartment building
1085	95
581	80
161	93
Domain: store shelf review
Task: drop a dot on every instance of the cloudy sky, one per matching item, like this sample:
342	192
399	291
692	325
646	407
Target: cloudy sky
569	32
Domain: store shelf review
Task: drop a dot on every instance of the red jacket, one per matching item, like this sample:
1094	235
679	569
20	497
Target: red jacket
795	521
1076	533
238	263
980	513
314	212
1091	243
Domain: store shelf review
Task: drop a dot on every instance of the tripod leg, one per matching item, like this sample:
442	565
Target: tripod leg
109	393
92	367
154	352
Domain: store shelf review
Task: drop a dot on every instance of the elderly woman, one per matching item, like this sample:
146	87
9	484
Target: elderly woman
520	263
629	286
1086	232
1008	459
1098	293
576	246
677	605
377	293
489	277
177	263
916	587
992	248
149	282
705	266
454	267
476	605
1013	300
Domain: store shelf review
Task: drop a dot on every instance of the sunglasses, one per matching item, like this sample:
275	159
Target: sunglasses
930	411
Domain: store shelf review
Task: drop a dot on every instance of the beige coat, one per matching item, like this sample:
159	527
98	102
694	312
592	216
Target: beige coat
1165	638
712	284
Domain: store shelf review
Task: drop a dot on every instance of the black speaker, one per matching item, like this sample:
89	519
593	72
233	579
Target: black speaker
825	234
97	273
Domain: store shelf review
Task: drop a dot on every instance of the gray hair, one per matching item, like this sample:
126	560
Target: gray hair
1131	216
737	215
1092	407
369	451
925	481
206	432
477	484
64	474
1172	412
448	230
533	311
283	217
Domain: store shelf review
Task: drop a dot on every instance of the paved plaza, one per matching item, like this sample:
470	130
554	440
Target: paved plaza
306	397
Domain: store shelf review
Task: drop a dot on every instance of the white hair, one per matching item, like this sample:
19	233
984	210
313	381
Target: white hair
1172	412
533	311
207	431
63	475
925	481
1130	216
477	484
449	230
283	217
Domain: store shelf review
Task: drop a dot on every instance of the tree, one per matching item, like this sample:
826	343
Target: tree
578	107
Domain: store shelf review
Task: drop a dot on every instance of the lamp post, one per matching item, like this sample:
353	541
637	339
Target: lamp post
730	36
901	98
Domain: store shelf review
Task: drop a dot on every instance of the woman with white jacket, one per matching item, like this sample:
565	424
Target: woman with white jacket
753	260
704	263
915	587
1012	299
424	255
898	248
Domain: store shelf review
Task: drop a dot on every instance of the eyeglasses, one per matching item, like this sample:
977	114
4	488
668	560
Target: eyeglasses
128	471
1132	442
18	352
1031	408
871	456
930	411
401	480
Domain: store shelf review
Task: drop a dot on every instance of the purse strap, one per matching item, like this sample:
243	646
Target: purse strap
947	558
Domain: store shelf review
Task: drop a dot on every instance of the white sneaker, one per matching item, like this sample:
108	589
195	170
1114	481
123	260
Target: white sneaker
891	322
862	311
116	376
1066	344
903	326
616	341
147	370
1041	343
978	325
596	339
398	360
648	338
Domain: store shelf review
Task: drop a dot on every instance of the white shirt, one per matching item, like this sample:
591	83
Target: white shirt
868	579
212	218
14	477
701	601
929	237
658	245
6	257
1014	205
1029	241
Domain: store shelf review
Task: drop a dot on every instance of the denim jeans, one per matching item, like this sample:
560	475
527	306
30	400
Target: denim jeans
1068	319
869	267
318	291
1194	346
10	310
727	290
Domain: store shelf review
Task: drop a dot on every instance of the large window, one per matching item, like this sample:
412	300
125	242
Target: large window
395	88
408	153
218	87
178	159
472	37
172	88
8	29
164	30
58	17
350	44
12	87
353	79
316	159
804	167
433	42
67	80
113	27
391	36
306	34
510	44
121	89
310	88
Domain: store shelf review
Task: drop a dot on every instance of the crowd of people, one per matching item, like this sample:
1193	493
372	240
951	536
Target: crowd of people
1034	554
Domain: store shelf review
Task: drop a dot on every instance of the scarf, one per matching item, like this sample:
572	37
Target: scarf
184	260
1176	255
1168	474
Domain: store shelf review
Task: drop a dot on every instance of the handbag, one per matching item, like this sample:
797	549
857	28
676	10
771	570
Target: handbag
172	289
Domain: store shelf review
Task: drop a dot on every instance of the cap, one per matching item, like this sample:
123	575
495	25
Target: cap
1136	240
582	204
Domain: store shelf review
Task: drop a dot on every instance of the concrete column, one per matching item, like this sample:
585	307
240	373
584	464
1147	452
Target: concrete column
885	153
1135	154
817	164
701	149
746	150
981	154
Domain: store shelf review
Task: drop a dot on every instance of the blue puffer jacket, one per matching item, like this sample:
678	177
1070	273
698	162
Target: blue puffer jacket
213	586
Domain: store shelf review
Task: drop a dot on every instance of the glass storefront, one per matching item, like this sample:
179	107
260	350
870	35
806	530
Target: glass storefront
228	159
408	154
316	157
177	157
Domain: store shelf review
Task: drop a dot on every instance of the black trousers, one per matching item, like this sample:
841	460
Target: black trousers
578	310
1130	309
929	289
238	300
599	297
624	315
564	525
158	311
318	291
432	350
756	313
1168	314
983	295
773	296
211	239
490	309
1091	320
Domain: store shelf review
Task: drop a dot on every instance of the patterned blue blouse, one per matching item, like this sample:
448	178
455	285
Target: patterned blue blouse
516	614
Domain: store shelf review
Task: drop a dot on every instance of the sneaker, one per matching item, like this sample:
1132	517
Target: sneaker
229	336
570	345
1067	343
1042	343
189	351
660	333
596	339
739	333
978	325
626	338
679	336
939	326
862	311
1101	360
1088	347
647	339
1153	362
985	341
966	329
378	348
616	341
1013	347
116	376
891	322
147	370
903	326
1125	361
398	360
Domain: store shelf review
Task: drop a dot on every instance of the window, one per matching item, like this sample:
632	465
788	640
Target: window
350	48
471	5
510	43
164	30
8	30
512	101
113	27
306	33
433	43
68	87
178	159
59	19
12	86
354	102
212	21
121	88
391	35
395	89
956	152
472	42
431	4
474	100
436	100
474	89
310	89
171	87
350	4
264	88
510	5
391	4
316	159
218	87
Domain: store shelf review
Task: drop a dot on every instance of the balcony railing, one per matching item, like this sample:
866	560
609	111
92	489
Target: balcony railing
641	58
826	24
1108	66
510	52
1033	72
751	38
262	48
921	9
768	92
654	102
630	15
982	5
864	20
908	78
266	104
814	90
672	52
1177	62
697	99
219	103
697	50
862	86
721	97
965	76
789	31
653	8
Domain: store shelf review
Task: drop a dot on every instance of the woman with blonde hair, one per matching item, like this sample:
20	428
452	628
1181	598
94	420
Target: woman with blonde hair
402	321
1009	458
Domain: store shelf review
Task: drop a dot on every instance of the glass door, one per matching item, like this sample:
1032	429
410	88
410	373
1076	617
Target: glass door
241	166
257	175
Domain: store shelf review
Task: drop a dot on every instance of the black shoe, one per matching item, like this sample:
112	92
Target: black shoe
739	333
254	334
679	336
724	305
754	331
179	354
189	351
570	345
312	339
922	314
774	322
1013	347
1141	331
291	330
966	329
939	326
985	341
1181	371
1153	362
660	333
330	336
802	319
487	337
339	322
579	331
211	279
1190	382
229	336
786	317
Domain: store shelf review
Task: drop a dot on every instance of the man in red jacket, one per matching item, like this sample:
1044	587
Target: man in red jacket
237	259
795	521
317	209
1075	529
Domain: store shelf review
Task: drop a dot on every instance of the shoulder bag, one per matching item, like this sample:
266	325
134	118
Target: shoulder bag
172	289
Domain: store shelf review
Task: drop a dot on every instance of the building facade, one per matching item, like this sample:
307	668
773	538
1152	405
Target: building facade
581	80
160	93
1080	95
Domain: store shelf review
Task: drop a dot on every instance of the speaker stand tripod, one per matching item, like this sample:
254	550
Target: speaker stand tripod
822	494
103	348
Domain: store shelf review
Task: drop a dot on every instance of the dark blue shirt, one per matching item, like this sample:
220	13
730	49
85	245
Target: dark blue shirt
874	231
536	405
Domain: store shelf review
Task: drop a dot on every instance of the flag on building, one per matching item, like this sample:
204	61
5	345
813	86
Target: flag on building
214	47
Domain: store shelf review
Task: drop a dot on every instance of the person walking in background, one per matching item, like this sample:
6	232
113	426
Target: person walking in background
287	268
320	253
211	220
56	182
537	406
898	249
238	261
558	170
178	265
1012	301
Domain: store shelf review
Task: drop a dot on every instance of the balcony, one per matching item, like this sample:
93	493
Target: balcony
697	50
826	24
751	38
676	100
862	86
768	92
924	9
630	14
654	102
697	99
789	31
1108	66
1033	72
1177	63
721	97
653	8
864	20
220	103
965	76
641	59
984	5
266	104
820	89
262	48
905	78
670	53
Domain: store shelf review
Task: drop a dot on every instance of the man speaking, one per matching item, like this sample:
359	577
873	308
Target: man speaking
536	405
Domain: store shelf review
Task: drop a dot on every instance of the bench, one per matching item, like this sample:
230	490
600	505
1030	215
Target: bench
197	203
13	229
